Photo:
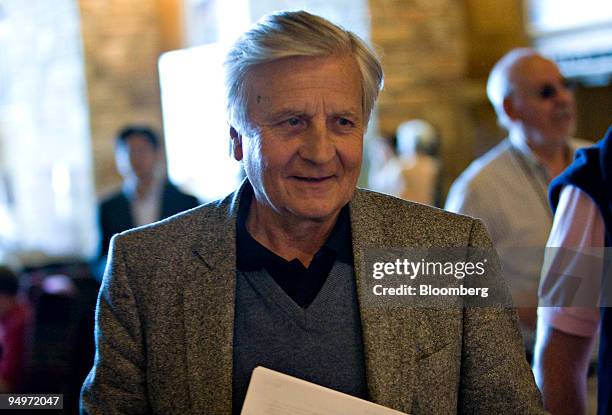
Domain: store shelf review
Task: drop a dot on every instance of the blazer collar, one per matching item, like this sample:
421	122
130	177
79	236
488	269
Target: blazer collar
208	304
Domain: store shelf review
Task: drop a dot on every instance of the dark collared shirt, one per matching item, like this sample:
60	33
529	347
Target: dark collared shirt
300	283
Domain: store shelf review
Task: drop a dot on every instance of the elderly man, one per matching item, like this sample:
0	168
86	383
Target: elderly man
270	275
507	186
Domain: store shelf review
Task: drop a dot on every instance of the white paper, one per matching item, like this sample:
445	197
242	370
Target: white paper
274	393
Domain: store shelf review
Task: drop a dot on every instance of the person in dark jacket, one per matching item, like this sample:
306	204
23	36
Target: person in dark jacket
146	195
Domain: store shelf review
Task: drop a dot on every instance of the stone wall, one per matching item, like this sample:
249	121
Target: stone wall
424	54
122	41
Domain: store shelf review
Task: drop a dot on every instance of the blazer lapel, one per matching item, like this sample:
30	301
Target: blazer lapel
209	294
391	335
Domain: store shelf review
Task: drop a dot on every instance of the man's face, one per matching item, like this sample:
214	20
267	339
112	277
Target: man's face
541	103
137	157
304	157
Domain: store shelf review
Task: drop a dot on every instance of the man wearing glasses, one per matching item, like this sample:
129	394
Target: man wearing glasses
507	186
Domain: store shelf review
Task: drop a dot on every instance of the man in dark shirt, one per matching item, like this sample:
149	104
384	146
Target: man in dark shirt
272	275
146	196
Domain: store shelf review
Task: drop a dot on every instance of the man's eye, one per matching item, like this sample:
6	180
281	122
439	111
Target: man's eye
345	122
293	122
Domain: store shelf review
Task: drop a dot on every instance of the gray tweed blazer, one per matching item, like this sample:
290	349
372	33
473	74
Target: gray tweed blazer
165	319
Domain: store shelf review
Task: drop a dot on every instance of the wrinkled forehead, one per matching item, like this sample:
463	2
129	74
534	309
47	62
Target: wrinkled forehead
533	70
302	72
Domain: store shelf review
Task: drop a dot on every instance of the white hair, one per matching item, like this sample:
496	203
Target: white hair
291	34
499	84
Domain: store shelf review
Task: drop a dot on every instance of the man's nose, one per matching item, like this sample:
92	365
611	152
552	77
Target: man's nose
318	144
565	94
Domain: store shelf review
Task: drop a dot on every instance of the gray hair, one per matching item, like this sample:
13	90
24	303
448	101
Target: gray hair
500	85
291	34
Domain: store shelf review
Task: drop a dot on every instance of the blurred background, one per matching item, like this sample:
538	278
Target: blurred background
72	72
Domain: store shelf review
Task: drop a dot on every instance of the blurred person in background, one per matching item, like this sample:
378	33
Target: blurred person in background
414	174
507	186
15	325
379	151
146	195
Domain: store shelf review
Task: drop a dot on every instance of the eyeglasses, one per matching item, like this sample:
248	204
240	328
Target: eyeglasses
550	91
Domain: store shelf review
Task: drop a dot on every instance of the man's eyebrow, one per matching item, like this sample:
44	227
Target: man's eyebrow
284	113
347	113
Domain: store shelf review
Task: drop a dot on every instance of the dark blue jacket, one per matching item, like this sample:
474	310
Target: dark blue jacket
591	171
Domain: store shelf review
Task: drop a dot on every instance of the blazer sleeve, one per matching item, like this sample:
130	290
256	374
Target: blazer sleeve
117	382
496	377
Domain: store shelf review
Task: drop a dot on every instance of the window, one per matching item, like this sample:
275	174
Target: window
47	201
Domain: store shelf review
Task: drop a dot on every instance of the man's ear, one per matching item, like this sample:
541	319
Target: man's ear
236	143
510	108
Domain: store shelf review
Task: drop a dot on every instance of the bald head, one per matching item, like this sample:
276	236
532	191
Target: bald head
499	84
529	94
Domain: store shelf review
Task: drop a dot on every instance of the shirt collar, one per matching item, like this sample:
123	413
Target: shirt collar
251	255
520	144
129	189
